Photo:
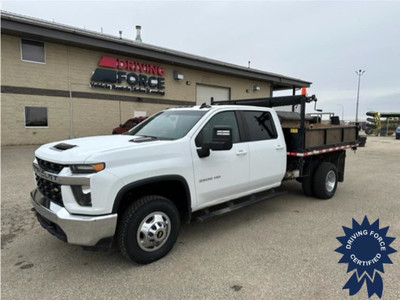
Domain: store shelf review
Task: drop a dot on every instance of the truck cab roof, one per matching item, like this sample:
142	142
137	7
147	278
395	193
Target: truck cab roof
220	107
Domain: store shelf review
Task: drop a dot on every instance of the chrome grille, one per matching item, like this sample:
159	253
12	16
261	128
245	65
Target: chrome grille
50	166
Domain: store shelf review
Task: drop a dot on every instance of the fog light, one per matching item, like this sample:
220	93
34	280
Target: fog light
85	189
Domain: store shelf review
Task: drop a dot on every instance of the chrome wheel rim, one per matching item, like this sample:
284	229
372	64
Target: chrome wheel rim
153	231
330	181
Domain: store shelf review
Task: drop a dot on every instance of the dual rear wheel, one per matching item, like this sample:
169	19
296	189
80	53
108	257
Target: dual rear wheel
322	181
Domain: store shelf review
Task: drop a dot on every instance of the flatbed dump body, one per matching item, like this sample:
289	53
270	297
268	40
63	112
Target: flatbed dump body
320	137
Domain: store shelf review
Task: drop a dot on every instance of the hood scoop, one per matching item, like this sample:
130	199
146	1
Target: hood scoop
64	146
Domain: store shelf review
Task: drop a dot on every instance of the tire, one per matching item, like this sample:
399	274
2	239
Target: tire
148	229
368	130
307	185
325	180
307	182
371	113
362	140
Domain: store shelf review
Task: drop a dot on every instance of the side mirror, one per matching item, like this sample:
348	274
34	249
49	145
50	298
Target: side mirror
221	141
120	125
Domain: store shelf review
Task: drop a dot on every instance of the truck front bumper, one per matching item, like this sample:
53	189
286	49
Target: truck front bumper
74	229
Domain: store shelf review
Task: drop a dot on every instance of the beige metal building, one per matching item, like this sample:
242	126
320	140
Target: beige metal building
60	82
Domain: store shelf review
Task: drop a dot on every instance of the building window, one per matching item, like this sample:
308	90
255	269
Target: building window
36	116
32	51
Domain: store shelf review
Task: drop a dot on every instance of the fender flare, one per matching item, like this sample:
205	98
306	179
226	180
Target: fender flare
152	180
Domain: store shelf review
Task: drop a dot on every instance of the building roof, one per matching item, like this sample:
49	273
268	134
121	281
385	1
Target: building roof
54	32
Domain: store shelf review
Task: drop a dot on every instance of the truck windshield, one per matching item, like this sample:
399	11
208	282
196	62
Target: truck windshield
168	125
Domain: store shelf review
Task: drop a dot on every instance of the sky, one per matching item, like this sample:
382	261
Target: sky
323	42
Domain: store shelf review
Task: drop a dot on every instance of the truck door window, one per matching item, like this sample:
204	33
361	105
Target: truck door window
227	118
260	125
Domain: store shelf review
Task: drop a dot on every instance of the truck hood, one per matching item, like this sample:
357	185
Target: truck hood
79	150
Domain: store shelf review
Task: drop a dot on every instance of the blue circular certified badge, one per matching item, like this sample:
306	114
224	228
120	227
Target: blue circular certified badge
365	248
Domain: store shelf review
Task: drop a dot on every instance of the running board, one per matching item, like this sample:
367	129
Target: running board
233	205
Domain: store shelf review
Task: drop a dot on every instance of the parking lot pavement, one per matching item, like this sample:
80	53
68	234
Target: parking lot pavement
282	248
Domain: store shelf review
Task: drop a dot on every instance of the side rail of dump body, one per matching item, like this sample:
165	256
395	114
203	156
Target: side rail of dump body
319	144
316	138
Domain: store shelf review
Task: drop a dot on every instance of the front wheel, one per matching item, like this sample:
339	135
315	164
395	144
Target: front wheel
148	229
325	180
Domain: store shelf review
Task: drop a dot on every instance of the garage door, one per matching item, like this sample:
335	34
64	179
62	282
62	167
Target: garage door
204	93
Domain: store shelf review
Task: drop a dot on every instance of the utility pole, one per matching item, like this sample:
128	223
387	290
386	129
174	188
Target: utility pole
359	73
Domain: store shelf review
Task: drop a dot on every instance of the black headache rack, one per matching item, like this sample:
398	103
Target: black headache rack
303	135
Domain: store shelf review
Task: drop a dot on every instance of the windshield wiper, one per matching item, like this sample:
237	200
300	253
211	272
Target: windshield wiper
159	138
143	138
148	136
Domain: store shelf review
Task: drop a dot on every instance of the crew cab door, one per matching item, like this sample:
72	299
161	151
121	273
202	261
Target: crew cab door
267	149
223	175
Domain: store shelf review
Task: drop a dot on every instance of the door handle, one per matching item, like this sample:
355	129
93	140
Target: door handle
241	152
278	147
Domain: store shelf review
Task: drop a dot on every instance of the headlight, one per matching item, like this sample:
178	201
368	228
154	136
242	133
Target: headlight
90	168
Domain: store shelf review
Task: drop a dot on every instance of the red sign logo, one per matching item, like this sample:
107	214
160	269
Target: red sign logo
127	75
129	65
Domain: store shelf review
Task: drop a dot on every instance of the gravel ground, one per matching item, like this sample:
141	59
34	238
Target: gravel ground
282	248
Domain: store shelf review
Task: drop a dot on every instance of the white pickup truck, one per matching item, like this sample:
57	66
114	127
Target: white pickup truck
135	189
